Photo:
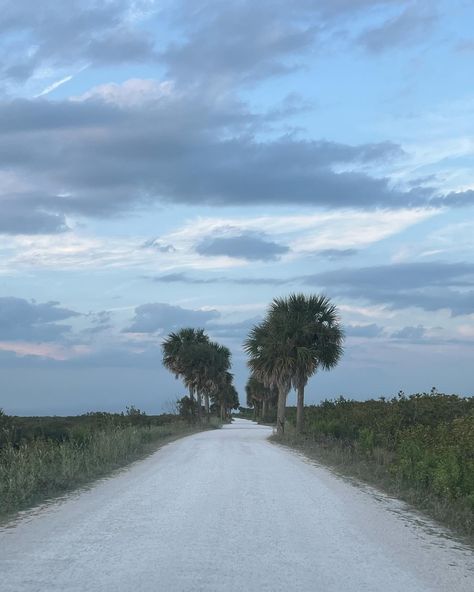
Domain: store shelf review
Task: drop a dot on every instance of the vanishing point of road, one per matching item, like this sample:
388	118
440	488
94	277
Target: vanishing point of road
226	510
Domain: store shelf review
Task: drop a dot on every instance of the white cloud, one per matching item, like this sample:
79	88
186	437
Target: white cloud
131	93
455	239
54	86
304	234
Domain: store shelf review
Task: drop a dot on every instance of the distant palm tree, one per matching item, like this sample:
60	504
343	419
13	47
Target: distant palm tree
270	363
221	378
203	365
259	397
298	335
179	356
215	363
226	397
314	338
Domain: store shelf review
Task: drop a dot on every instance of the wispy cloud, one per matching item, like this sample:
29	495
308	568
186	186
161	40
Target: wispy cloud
54	86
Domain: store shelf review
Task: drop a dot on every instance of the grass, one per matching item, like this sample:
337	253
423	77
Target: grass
34	470
377	470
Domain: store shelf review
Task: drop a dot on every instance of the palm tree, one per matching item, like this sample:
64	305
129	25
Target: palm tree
259	397
179	356
269	361
221	377
227	396
299	335
202	365
314	336
215	362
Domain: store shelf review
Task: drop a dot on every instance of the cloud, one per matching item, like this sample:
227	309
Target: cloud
410	333
162	317
183	278
158	245
411	25
23	320
26	116
53	86
372	330
205	47
335	254
101	321
256	49
237	331
249	246
68	34
19	218
180	277
430	286
270	40
104	159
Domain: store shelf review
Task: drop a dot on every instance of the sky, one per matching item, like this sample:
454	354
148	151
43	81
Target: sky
181	163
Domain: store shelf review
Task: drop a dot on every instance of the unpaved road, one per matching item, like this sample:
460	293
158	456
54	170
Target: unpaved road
228	511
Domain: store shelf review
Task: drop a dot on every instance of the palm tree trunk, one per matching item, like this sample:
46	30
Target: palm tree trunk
264	409
282	393
199	406
206	405
300	410
222	411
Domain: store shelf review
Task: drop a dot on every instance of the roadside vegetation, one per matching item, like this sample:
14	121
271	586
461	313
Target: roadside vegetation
419	448
43	457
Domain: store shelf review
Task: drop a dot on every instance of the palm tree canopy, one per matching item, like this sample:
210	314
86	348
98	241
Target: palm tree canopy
312	330
268	359
299	335
256	391
177	356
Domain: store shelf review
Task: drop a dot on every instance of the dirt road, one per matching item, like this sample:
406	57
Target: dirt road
226	510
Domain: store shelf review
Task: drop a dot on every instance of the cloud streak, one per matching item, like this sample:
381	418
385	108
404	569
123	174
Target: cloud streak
161	317
248	246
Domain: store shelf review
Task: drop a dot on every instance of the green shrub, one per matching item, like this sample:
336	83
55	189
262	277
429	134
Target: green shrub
425	442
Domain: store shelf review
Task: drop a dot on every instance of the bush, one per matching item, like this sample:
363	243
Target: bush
424	441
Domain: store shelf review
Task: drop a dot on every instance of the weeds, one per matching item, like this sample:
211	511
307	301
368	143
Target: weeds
36	466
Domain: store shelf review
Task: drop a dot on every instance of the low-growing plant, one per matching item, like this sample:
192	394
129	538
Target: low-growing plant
421	447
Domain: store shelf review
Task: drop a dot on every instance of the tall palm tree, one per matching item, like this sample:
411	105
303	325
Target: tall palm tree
201	363
215	362
269	361
298	335
179	354
314	336
220	377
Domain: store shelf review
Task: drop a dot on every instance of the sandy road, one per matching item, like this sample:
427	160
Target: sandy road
228	511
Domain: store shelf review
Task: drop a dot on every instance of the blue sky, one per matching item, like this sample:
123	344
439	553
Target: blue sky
182	163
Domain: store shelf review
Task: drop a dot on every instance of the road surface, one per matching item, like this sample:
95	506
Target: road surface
226	510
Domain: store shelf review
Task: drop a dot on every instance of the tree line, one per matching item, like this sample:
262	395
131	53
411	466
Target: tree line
298	336
204	367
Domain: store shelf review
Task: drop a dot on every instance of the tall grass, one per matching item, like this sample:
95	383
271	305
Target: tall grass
33	470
